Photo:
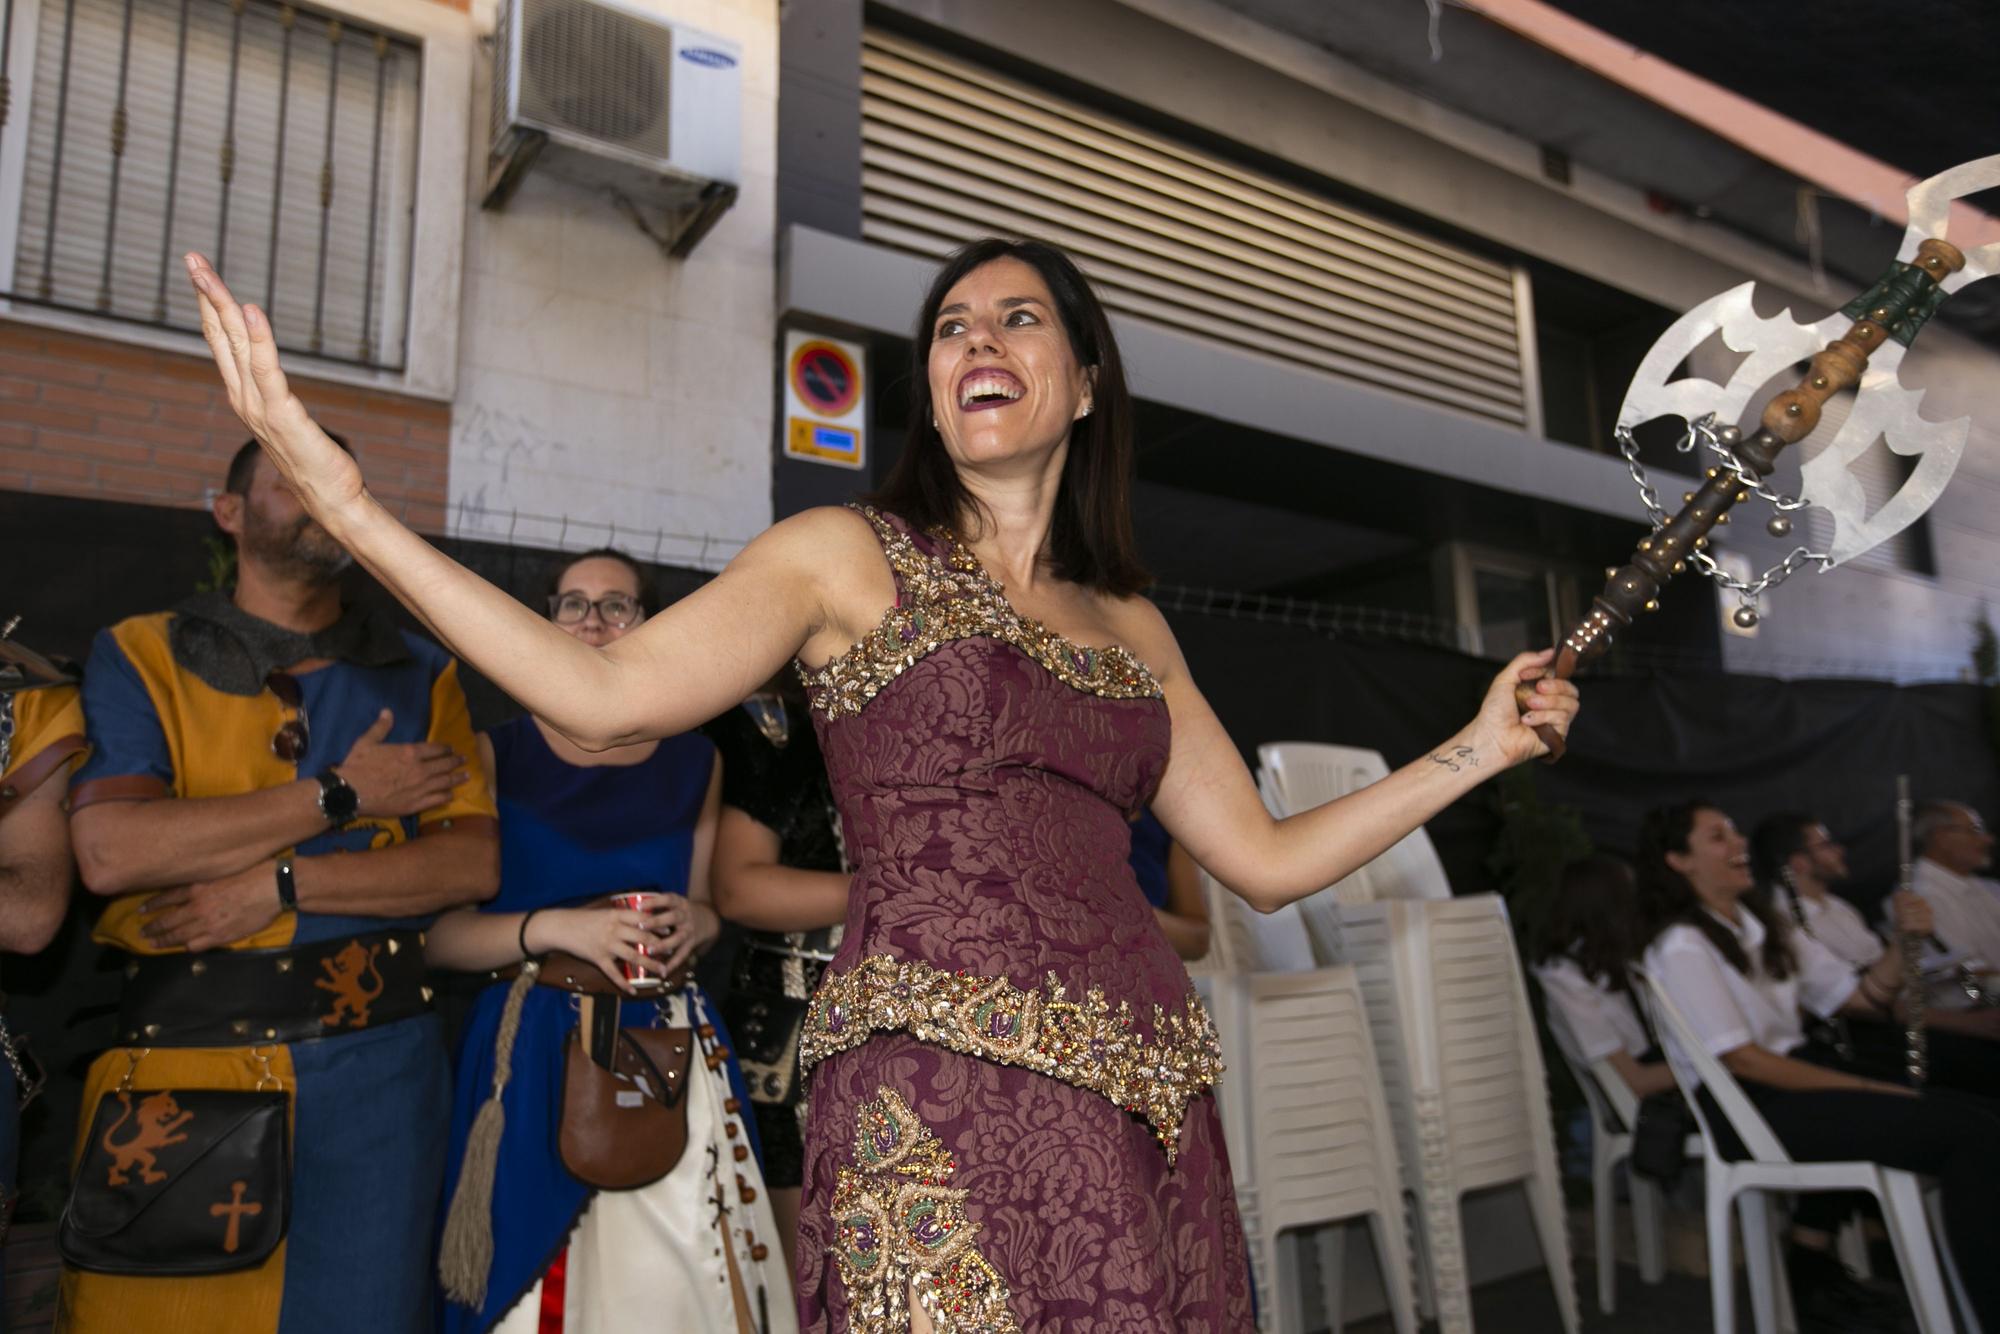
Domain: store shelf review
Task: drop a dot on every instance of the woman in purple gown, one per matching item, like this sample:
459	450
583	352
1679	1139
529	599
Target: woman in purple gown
1011	1123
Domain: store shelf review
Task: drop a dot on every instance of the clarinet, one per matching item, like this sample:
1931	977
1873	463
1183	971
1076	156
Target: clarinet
1916	1046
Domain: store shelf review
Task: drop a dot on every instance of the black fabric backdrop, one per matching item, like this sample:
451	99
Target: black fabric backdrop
1753	745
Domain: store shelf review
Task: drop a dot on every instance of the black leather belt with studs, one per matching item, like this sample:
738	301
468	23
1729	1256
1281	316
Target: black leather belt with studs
245	998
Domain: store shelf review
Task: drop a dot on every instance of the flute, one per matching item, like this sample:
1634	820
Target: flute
1916	1046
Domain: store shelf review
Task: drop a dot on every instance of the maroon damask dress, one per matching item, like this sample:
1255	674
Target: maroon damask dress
1011	1110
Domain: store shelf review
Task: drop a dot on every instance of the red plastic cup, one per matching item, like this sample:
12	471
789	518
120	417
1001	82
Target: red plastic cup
638	901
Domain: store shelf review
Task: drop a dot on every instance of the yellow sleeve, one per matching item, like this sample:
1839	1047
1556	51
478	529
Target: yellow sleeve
471	804
48	740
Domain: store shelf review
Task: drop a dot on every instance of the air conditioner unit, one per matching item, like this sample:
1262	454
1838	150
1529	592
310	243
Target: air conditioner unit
627	104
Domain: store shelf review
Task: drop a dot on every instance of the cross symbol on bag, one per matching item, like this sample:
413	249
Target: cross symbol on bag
235	1210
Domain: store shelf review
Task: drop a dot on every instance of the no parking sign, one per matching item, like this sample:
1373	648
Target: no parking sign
825	399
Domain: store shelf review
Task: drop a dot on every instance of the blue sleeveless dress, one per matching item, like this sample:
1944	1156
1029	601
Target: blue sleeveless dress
571	835
1150	845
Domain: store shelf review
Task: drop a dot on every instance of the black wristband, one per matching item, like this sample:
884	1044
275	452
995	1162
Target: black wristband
288	888
522	940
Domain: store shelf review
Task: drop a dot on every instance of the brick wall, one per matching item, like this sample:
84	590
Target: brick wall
91	417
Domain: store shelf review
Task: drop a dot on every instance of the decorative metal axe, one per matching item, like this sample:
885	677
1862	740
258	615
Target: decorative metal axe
1879	324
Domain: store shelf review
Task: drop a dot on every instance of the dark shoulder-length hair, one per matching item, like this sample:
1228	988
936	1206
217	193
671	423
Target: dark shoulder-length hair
1667	898
1593	920
1090	540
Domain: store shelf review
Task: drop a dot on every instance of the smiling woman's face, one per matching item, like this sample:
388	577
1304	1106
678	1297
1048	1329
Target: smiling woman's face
1717	862
1005	383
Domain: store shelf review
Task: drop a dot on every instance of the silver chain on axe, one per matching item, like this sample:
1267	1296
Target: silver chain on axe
1703	431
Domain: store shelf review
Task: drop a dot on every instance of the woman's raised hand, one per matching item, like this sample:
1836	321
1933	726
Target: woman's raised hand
1502	720
325	476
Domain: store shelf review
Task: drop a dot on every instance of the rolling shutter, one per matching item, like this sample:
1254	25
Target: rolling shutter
1181	237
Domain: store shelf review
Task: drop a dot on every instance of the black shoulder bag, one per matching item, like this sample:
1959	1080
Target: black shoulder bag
180	1182
1659	1140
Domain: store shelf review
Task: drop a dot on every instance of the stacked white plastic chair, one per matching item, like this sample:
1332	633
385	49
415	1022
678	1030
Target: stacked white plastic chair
1307	1128
1746	1186
1298	775
1454	1036
1462	1072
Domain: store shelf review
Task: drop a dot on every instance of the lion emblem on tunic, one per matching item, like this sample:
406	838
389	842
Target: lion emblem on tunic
157	1118
345	978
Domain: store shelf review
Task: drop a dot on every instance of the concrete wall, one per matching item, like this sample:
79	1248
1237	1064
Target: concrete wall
1866	622
602	383
1201	65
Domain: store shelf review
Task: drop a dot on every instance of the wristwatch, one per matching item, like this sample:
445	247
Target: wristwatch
288	887
338	802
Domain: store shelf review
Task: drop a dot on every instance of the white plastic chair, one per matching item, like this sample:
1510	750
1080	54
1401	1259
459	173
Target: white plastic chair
1313	1147
1463	1079
1748	1183
1243	940
1614	1112
1299	775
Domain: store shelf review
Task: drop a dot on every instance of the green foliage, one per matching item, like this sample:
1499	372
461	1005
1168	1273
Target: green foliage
1986	670
221	564
1536	841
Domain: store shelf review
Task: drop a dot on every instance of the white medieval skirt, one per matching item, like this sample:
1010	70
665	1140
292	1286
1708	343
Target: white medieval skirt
696	1252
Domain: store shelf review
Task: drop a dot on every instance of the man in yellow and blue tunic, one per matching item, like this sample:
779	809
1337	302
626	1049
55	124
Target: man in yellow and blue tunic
287	789
41	739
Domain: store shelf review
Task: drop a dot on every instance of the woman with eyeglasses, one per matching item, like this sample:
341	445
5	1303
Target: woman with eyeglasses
603	905
1011	1121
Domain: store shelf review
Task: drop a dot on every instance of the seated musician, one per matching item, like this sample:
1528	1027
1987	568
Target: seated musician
1799	865
1739	976
1953	848
1580	957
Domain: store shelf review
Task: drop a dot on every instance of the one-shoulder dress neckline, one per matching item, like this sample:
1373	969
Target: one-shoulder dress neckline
940	598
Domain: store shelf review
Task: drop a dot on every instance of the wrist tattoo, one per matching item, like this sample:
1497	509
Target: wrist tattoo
1457	758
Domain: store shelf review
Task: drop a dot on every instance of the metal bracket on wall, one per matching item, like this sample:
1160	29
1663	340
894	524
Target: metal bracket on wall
676	231
679	230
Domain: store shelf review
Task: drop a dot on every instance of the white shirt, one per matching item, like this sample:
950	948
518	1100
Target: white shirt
1727	1009
1966	909
1601	1021
1836	924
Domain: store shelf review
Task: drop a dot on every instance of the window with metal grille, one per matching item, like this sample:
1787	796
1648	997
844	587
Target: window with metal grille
1182	236
278	141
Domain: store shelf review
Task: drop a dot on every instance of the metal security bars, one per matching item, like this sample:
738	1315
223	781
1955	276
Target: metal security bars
1182	237
279	141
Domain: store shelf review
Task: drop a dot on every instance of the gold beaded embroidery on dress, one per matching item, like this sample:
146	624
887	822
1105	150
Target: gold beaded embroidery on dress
947	598
1087	1043
903	1227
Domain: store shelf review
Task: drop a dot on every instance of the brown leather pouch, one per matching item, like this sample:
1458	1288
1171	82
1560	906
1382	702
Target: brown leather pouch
624	1106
